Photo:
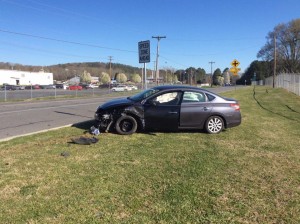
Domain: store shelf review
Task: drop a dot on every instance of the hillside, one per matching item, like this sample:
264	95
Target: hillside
69	70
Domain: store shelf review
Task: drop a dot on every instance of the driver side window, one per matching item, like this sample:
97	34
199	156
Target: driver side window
171	98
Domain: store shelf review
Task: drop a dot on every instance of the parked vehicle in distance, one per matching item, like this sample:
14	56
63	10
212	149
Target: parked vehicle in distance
36	86
169	108
113	81
12	87
20	87
92	86
132	87
48	86
88	86
75	87
83	85
8	87
120	88
61	86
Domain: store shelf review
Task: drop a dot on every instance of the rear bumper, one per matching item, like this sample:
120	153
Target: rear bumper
234	121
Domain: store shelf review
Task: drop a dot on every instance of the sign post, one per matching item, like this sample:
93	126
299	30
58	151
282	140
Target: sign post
234	69
144	57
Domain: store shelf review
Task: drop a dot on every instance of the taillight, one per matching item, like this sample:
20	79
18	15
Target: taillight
236	106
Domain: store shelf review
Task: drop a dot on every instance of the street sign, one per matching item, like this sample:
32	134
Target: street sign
234	70
235	63
144	51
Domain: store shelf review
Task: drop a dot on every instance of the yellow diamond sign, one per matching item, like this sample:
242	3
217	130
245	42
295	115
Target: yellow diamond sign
234	70
235	63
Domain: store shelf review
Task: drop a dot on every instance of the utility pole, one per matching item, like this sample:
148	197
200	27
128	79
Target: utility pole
110	59
157	55
154	64
274	73
211	81
109	84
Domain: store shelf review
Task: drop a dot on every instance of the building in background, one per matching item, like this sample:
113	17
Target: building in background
13	77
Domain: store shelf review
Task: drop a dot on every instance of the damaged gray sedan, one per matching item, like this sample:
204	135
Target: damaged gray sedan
169	108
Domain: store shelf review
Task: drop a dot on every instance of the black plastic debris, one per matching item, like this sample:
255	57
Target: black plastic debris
65	154
85	140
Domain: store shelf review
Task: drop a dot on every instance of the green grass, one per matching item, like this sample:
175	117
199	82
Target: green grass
247	174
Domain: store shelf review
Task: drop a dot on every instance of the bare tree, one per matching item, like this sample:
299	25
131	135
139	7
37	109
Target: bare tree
285	40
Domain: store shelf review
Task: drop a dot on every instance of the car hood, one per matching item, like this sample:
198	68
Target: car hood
116	103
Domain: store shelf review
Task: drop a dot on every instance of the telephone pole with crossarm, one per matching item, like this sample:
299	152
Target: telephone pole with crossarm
157	55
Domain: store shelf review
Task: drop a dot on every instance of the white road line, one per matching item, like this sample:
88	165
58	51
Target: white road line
32	133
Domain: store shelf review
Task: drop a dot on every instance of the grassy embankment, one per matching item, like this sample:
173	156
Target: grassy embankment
247	174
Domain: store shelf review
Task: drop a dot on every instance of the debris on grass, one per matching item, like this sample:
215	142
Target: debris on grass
85	140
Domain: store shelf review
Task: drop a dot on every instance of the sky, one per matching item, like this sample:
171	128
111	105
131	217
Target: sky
49	32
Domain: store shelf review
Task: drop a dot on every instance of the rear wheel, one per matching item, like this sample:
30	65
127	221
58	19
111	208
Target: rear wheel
214	125
126	125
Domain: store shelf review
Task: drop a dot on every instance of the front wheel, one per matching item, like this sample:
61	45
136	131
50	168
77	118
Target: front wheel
214	125
126	125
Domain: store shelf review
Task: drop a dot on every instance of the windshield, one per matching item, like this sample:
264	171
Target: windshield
143	95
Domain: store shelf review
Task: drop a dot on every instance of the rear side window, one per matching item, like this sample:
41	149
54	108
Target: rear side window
193	97
210	97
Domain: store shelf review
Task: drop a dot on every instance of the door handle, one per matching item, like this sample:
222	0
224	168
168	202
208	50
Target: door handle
172	112
206	108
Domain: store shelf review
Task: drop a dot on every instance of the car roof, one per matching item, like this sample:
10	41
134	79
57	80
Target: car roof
177	87
183	88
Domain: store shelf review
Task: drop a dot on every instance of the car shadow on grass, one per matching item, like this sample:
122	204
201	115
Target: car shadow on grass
86	125
175	132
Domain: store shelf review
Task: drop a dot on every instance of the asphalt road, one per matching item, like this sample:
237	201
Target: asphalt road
19	119
23	118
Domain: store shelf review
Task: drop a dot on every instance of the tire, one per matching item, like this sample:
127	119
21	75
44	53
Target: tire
214	125
126	125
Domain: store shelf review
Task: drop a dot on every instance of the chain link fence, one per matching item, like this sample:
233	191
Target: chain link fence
8	95
290	82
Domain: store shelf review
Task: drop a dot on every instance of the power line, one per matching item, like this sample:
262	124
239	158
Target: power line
65	12
50	52
64	41
216	40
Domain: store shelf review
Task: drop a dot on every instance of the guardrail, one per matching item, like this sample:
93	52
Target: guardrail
290	82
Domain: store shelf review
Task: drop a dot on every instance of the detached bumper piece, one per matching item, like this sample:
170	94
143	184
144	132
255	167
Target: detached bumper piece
85	140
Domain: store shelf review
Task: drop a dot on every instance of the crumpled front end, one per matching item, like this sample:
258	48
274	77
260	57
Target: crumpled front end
104	119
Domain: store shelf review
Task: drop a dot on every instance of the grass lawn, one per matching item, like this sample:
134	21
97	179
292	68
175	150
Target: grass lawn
247	174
